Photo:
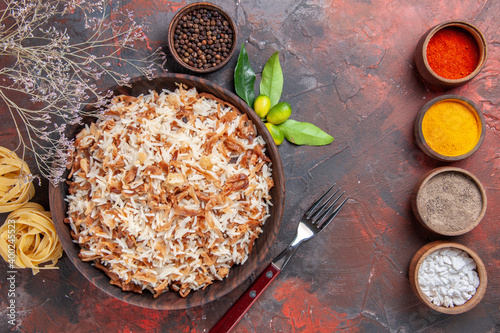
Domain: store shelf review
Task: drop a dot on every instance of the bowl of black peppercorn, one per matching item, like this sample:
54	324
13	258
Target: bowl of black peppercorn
202	37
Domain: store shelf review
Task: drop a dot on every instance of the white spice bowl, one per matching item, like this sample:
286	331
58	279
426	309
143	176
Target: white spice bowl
426	250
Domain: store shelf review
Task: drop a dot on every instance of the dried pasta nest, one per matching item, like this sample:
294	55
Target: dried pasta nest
34	242
16	187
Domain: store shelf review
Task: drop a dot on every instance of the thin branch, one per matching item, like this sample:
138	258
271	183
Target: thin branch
58	75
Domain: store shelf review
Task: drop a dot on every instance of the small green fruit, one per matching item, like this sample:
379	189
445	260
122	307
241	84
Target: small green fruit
279	113
276	133
262	105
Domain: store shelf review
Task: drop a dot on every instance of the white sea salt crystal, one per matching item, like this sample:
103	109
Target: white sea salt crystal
442	252
462	288
448	302
440	269
472	265
475	282
448	277
440	261
469	260
454	279
458	263
455	293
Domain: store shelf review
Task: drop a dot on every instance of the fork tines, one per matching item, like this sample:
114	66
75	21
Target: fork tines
323	211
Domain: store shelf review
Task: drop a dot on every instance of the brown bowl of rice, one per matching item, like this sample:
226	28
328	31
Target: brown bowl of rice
175	193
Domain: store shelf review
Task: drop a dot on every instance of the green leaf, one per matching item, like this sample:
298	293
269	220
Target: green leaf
271	83
304	133
244	77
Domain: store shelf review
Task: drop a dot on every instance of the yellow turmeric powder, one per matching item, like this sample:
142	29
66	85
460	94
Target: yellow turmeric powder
451	127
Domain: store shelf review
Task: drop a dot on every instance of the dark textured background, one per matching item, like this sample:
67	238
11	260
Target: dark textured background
348	67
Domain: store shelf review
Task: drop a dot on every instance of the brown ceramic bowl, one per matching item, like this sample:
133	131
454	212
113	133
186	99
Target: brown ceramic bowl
171	39
238	273
423	65
467	223
426	250
423	144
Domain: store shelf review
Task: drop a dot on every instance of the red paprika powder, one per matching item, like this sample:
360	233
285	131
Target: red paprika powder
453	53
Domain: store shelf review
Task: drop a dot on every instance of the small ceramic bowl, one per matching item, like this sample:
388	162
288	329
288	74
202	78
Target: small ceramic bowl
419	258
460	102
181	59
425	69
449	201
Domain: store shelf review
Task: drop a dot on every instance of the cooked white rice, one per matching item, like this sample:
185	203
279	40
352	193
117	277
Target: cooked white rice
168	191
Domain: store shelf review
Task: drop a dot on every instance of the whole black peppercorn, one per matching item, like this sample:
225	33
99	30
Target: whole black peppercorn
203	38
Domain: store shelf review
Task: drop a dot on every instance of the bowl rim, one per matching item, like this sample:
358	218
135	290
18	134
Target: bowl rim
419	136
429	248
480	40
423	182
173	24
256	259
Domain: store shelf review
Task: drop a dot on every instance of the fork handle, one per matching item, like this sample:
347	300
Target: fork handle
238	310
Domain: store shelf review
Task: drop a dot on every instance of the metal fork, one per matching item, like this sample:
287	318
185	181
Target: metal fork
315	219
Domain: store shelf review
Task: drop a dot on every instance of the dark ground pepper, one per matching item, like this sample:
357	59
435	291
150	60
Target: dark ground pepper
203	38
450	201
